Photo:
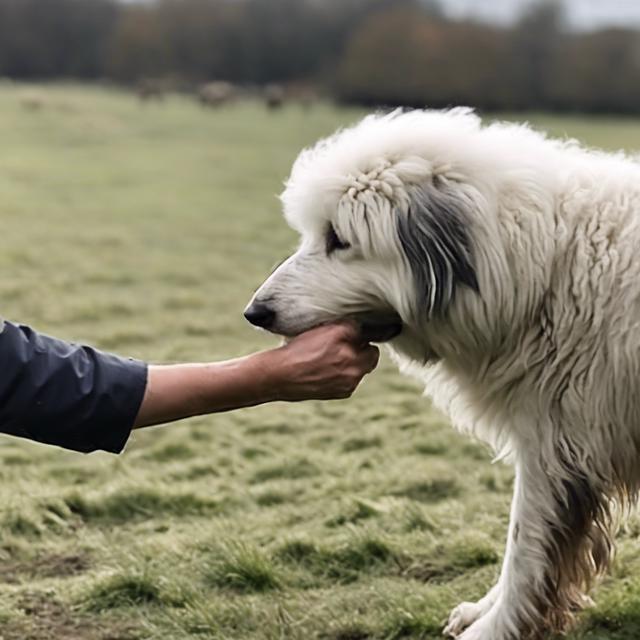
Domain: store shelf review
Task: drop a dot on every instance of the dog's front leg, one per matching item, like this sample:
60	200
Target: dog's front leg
466	613
522	586
555	544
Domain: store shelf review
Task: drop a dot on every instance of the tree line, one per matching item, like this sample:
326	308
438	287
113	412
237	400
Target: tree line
391	52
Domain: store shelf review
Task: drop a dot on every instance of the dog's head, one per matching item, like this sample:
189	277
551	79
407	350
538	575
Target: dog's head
386	217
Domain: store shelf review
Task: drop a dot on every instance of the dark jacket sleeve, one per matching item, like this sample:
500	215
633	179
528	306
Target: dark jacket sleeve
66	394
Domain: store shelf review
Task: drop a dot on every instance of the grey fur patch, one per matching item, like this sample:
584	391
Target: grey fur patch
434	236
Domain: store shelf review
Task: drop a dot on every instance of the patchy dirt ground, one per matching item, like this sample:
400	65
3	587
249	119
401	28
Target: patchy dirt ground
46	618
43	566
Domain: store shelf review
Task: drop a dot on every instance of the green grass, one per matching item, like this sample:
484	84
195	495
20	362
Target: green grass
123	590
139	504
144	230
243	569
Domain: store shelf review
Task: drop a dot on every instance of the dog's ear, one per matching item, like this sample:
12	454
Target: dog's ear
434	235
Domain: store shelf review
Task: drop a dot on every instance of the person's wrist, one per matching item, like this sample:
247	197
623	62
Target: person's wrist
268	369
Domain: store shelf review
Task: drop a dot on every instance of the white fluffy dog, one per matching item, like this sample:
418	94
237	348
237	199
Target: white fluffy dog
503	268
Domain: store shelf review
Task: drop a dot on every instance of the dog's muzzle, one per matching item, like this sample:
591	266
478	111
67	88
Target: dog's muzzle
260	315
374	326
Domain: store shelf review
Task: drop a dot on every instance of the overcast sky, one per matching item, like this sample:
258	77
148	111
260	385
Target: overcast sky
582	14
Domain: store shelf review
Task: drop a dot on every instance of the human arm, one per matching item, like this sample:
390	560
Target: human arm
79	398
324	363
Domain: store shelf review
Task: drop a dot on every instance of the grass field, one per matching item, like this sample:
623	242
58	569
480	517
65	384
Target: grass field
144	230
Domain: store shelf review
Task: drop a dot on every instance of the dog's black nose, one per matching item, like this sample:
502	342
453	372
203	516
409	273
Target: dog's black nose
260	315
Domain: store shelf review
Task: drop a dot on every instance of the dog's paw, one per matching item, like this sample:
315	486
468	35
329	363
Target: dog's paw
462	616
491	626
482	629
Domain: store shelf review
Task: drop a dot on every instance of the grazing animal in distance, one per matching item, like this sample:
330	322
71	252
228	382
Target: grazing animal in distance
274	96
151	89
216	94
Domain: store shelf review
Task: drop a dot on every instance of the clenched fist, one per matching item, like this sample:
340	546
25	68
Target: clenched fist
322	364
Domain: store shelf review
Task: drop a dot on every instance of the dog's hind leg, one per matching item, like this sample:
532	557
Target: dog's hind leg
555	545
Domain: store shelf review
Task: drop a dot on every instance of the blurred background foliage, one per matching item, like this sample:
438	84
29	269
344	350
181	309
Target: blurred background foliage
371	52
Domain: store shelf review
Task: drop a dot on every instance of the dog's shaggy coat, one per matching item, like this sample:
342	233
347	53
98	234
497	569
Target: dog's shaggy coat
512	261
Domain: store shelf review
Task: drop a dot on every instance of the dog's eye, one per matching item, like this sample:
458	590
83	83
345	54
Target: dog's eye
333	241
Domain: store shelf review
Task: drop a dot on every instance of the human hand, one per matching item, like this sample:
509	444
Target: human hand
325	363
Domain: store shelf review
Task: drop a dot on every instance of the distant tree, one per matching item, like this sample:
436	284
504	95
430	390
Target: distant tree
368	51
432	8
598	72
404	56
55	38
242	41
139	47
533	52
